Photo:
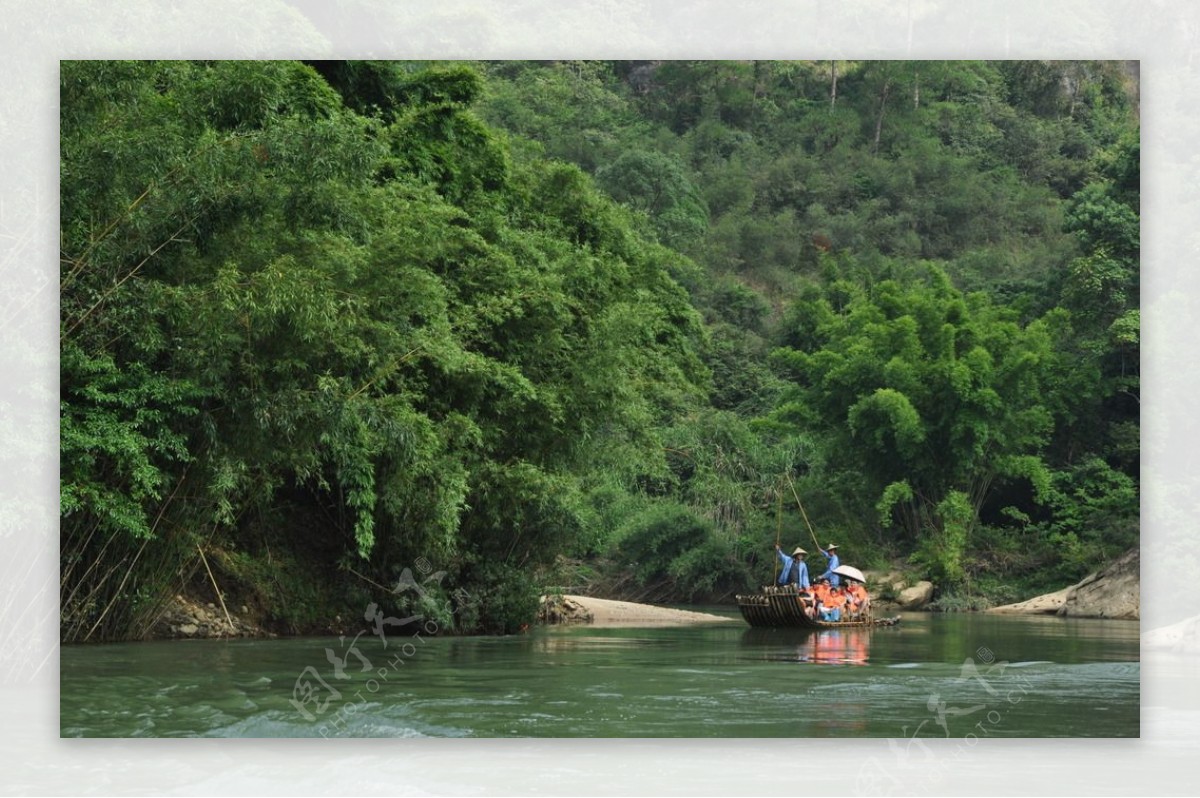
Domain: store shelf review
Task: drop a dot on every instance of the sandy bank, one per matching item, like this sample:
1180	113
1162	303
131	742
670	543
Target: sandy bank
606	612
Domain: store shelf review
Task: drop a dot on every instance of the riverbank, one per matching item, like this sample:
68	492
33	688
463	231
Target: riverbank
186	618
1110	593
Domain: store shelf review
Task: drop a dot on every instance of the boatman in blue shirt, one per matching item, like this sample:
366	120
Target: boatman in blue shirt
795	569
831	553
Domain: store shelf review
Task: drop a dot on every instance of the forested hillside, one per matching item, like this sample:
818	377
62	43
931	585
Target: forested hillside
507	327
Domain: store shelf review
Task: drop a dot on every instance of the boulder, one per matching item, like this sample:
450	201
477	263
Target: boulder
562	609
188	629
887	584
915	597
1048	604
1114	592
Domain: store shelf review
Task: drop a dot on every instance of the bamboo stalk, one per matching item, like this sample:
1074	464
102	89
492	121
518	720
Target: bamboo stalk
369	581
81	262
77	549
96	563
122	281
214	584
117	594
778	530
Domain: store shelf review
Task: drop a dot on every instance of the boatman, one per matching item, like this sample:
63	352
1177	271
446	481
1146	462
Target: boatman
795	569
831	553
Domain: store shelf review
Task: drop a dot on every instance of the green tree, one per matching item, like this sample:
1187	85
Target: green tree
282	301
656	185
925	392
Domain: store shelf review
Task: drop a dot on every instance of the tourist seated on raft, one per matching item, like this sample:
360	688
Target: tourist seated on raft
820	592
808	602
857	593
850	608
833	604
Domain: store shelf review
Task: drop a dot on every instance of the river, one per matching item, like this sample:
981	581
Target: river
930	676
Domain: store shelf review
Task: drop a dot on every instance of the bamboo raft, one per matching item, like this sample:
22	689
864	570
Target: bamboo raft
780	608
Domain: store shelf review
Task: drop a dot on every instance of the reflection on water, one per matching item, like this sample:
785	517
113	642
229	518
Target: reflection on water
821	647
842	646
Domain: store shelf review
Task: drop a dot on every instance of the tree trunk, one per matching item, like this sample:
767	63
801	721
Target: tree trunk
833	83
883	98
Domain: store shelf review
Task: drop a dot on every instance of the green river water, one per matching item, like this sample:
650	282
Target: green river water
930	676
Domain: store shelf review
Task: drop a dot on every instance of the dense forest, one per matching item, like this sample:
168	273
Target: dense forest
505	328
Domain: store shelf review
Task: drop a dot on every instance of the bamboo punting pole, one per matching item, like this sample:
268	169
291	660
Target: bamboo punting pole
804	514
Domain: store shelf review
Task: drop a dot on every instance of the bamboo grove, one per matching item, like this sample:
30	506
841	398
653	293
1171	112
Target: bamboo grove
575	324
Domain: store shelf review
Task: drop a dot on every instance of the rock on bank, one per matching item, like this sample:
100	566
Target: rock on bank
1114	592
185	617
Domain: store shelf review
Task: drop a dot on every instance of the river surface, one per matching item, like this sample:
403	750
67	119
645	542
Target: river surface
931	676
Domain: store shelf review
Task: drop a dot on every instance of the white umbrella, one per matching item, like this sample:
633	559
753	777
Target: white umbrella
850	572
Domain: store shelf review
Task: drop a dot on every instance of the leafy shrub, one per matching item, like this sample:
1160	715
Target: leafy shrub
708	570
956	602
942	550
669	547
1095	516
297	591
504	599
655	537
